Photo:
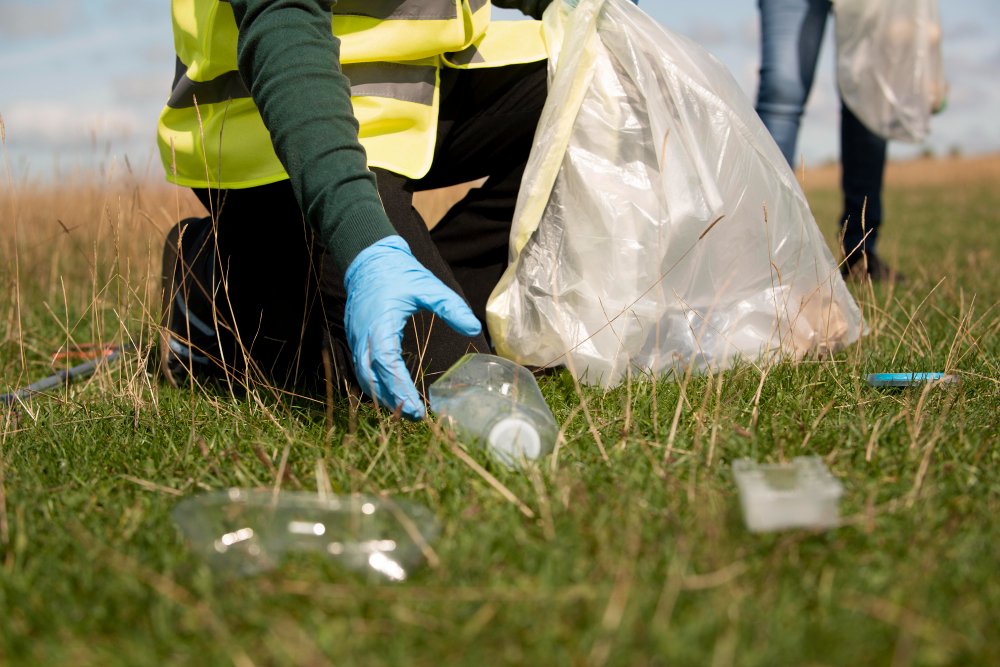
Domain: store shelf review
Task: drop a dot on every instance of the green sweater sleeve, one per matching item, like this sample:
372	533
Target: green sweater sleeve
290	61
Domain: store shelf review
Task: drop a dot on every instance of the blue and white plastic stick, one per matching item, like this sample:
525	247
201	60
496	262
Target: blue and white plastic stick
908	379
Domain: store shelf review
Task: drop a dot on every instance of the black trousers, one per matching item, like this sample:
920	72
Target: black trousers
862	154
250	294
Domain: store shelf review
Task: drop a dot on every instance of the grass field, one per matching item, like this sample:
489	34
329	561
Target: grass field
625	548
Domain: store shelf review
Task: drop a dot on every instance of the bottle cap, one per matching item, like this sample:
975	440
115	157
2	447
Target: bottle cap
513	438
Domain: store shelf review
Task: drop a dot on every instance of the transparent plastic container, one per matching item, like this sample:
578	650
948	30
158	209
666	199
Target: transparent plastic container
801	494
493	402
241	532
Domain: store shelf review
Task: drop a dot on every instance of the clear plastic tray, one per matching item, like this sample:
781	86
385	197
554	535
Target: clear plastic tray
241	532
800	494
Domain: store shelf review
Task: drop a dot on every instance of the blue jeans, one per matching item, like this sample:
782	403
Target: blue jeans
791	37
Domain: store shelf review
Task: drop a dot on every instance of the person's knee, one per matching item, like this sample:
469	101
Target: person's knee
781	93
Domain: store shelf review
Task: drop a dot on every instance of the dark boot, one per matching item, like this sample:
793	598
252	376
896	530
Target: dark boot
188	339
868	266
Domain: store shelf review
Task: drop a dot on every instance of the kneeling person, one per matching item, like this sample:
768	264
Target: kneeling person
305	145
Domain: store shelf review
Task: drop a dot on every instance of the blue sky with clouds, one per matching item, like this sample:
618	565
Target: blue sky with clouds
81	82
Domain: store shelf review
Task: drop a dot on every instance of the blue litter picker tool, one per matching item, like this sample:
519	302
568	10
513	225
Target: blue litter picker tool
909	379
104	355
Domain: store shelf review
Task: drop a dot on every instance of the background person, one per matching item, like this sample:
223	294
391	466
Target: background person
791	37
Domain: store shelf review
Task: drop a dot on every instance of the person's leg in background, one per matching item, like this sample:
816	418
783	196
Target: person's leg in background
791	37
863	155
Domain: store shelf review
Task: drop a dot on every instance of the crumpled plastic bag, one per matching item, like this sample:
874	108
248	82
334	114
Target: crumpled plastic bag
889	66
658	226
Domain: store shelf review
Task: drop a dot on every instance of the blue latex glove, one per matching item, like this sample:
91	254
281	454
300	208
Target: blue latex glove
385	286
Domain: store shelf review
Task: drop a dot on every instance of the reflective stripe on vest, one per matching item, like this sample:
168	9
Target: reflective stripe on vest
407	29
399	9
396	81
211	133
371	30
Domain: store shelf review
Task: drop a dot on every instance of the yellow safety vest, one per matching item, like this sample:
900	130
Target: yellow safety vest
212	135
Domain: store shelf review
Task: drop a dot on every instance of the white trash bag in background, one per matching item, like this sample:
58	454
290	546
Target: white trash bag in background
658	225
889	66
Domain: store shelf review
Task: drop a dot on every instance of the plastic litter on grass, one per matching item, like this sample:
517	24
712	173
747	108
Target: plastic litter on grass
495	403
800	494
909	379
241	532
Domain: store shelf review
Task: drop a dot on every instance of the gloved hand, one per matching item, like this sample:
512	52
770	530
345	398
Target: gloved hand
385	286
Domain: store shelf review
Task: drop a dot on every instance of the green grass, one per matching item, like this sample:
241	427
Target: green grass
626	548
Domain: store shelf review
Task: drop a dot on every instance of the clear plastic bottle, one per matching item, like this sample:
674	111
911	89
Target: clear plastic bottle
496	403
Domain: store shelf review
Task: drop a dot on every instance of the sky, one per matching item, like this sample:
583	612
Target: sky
82	82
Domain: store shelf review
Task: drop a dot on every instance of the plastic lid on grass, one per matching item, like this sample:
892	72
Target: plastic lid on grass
800	494
512	439
240	532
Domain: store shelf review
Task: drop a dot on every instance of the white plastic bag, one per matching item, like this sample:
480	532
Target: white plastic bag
889	66
658	224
